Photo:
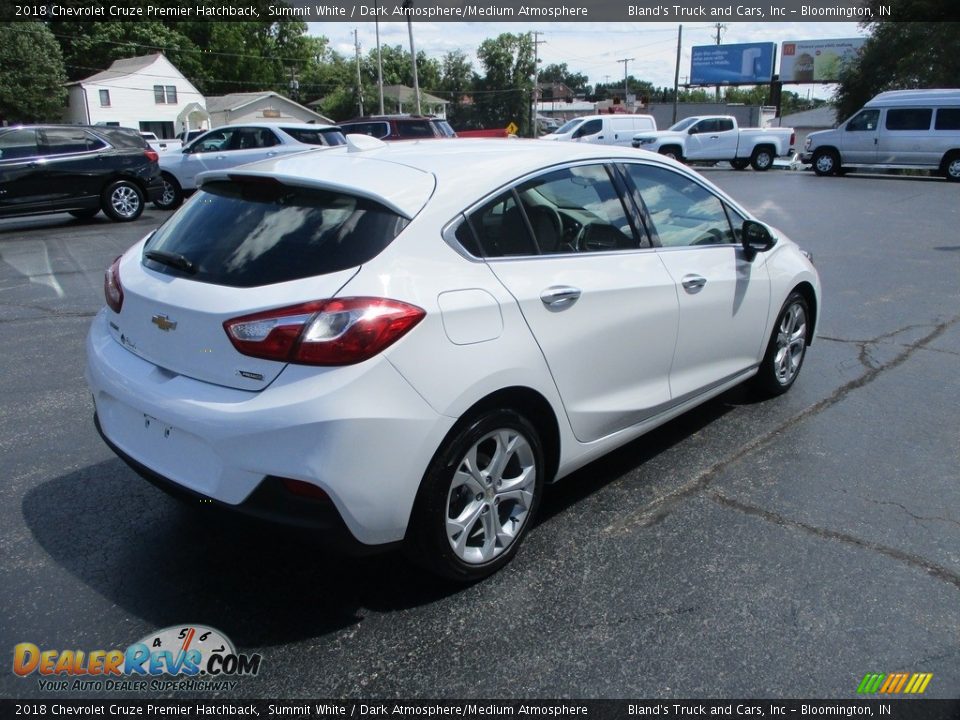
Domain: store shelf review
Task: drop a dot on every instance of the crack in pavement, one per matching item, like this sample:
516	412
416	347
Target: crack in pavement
937	571
918	518
865	356
658	509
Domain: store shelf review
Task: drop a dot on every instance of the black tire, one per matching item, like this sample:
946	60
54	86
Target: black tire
762	159
172	196
122	201
778	371
672	152
951	167
826	162
739	163
431	536
86	213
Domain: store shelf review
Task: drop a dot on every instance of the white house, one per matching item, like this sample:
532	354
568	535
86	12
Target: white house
145	92
266	106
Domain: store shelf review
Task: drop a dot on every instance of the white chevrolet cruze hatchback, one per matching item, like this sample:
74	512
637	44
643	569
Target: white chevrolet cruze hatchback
405	342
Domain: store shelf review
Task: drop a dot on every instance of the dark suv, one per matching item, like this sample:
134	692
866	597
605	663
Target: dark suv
78	169
399	127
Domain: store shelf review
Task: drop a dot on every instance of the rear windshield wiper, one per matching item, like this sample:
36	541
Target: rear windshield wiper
174	260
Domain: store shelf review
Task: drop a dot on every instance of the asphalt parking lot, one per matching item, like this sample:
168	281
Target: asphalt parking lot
779	549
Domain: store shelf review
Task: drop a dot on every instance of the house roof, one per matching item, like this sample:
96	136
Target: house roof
824	116
121	68
405	94
235	101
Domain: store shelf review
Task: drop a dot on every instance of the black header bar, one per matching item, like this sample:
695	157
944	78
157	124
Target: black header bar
507	11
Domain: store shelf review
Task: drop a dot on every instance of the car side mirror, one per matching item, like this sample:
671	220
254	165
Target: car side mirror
756	238
185	150
692	131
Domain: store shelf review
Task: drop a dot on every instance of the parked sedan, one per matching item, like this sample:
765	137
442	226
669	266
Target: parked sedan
233	145
386	347
76	169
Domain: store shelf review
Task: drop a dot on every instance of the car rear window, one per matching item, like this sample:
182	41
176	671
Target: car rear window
373	129
331	136
415	129
247	233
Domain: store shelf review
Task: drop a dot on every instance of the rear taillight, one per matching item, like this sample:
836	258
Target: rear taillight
325	332
793	139
112	289
152	155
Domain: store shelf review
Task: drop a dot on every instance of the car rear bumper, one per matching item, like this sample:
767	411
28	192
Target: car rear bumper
154	188
361	434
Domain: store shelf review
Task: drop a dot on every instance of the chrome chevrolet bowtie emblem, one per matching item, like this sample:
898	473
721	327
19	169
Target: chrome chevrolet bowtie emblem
164	323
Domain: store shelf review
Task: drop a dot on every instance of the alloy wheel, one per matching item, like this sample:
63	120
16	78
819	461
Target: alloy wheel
491	495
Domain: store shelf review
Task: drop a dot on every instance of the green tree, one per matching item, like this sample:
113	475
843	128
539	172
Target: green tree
578	82
901	55
33	76
504	92
90	47
457	81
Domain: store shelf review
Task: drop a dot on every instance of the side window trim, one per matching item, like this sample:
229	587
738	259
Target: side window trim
633	204
43	147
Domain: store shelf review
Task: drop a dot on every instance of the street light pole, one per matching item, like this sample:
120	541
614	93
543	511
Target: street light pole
379	59
407	4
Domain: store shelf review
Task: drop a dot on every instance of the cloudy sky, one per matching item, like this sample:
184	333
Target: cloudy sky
590	48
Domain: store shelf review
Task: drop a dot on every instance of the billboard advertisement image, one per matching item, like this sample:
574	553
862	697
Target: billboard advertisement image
812	61
744	64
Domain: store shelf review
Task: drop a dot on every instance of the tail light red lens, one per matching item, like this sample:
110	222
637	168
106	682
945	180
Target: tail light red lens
152	155
112	289
325	332
793	139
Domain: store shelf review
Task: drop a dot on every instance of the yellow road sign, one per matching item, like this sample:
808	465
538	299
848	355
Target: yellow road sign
512	128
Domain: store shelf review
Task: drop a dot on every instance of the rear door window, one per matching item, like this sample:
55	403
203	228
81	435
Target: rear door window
318	136
261	232
909	119
18	144
63	141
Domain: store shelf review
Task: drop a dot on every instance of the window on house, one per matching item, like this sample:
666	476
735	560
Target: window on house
165	94
104	98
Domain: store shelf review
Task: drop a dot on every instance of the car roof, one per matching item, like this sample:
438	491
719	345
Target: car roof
403	176
948	97
278	124
400	116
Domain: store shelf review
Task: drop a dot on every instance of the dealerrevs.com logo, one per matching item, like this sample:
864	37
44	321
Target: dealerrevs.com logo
180	657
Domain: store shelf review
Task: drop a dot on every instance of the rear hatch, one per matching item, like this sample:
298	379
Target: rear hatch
242	245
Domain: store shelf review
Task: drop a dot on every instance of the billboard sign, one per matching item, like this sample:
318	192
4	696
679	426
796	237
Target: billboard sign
744	64
813	61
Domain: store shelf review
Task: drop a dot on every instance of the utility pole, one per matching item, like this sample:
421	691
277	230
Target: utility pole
537	42
413	54
676	74
625	61
356	47
719	27
379	58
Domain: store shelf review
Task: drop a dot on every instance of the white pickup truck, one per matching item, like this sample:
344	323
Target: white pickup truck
717	137
161	145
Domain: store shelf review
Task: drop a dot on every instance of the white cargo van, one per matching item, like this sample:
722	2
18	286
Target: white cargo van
616	129
907	129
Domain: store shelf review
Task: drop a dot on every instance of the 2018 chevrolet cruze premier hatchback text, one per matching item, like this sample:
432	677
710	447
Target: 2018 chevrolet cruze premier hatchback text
405	342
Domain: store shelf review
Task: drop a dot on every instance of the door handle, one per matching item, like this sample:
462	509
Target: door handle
599	137
221	157
271	153
714	137
693	282
559	297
